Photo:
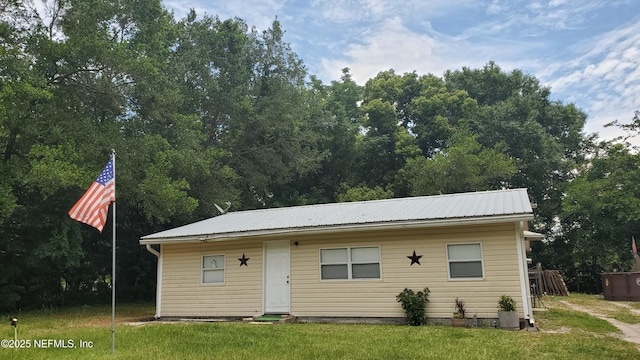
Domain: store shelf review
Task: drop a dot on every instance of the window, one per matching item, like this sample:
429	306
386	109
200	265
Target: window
465	261
350	263
213	269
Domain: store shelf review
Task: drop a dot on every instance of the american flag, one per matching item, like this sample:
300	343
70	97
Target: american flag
93	206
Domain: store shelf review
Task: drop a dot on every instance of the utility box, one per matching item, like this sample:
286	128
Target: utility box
622	286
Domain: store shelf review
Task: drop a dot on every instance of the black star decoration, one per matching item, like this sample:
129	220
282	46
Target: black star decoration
415	259
243	260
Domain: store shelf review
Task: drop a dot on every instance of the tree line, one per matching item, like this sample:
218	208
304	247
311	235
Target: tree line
203	111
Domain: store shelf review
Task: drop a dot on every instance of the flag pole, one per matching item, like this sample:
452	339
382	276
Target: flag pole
93	209
113	263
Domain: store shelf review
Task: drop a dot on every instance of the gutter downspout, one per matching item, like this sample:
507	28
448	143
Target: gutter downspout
158	254
524	274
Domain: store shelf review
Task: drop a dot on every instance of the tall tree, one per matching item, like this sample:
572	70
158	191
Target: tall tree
601	213
463	166
95	64
376	150
544	137
338	129
277	141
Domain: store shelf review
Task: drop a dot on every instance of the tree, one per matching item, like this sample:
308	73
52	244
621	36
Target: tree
363	193
247	90
544	137
22	90
632	130
463	166
601	213
337	134
437	113
83	94
376	148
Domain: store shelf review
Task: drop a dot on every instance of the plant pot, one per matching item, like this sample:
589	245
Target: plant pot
509	320
458	322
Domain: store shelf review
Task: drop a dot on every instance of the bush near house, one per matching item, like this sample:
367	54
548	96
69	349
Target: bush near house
414	305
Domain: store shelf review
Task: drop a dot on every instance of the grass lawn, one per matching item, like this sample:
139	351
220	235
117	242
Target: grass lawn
578	336
619	310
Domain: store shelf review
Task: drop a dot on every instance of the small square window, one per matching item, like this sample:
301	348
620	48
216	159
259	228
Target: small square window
333	255
213	269
465	261
366	271
365	254
332	272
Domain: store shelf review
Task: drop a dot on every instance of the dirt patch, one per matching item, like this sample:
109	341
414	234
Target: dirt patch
627	306
630	332
561	330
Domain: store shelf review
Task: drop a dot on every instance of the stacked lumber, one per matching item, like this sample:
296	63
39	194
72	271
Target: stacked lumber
552	283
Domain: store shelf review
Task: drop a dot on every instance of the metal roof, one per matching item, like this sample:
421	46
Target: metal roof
485	206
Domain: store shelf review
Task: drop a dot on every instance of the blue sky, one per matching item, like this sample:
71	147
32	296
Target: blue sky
586	51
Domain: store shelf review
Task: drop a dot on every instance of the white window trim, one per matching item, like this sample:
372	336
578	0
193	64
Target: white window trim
203	269
349	263
446	253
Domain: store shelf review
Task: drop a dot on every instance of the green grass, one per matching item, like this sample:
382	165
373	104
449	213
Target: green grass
619	310
554	319
586	339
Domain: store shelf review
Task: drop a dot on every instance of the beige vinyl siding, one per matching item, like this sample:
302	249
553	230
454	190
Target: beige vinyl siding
311	296
183	293
242	293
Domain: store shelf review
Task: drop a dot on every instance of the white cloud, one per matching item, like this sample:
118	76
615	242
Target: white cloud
604	78
538	18
535	6
391	44
494	8
351	11
554	3
357	11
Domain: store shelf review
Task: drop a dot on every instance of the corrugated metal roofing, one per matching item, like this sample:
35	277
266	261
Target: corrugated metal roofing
461	206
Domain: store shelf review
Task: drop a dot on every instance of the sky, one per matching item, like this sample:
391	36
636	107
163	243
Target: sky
586	51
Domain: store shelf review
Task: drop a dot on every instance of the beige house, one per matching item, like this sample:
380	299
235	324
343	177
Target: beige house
348	261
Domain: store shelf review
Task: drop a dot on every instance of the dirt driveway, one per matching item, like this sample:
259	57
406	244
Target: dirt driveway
630	332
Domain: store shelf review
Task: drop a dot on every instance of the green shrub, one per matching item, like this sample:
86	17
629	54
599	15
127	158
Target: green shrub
506	303
414	305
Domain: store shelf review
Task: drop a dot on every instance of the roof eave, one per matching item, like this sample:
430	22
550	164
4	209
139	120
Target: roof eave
327	229
533	236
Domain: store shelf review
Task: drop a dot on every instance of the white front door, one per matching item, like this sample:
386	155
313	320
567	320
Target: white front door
276	277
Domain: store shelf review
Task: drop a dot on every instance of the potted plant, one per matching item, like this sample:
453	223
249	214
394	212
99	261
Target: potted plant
507	314
460	315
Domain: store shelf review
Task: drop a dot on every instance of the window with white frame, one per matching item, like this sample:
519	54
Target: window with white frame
350	263
213	269
465	261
